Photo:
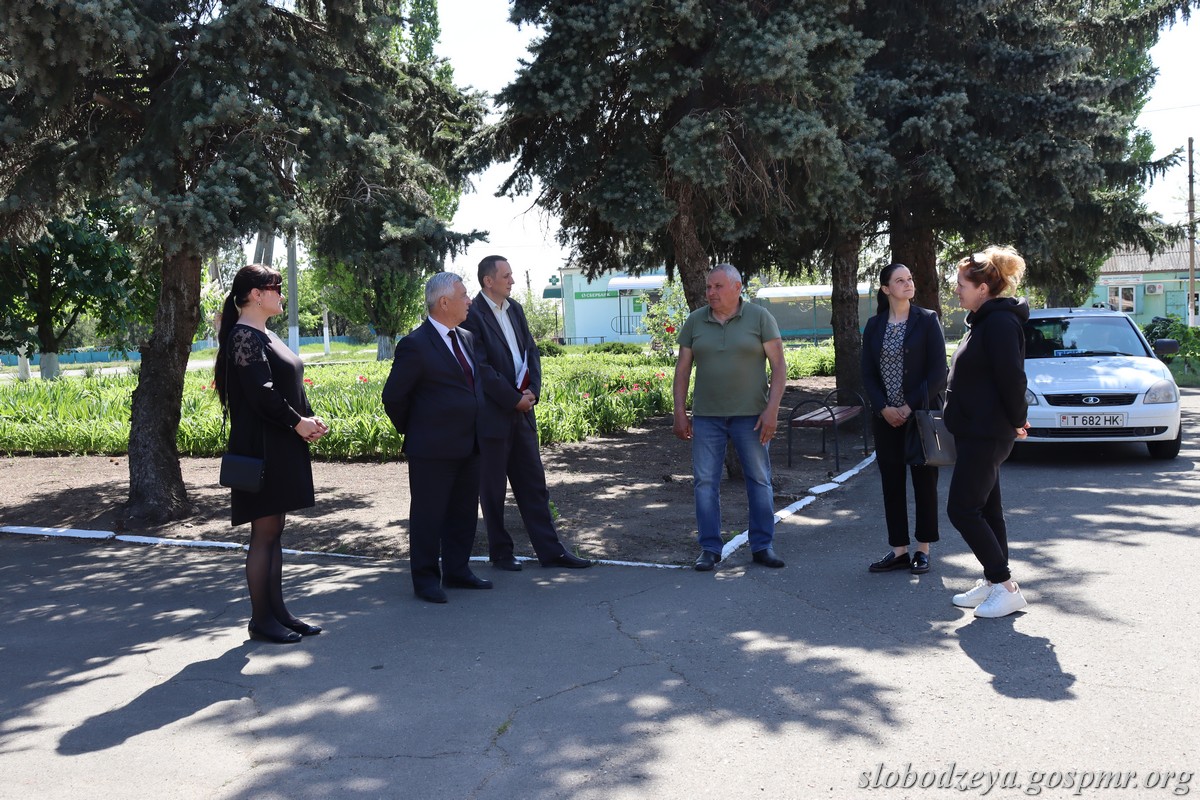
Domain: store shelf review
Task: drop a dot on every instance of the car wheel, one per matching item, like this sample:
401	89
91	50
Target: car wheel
1166	450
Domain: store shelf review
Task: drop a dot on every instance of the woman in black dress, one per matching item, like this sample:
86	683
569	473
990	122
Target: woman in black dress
260	383
904	368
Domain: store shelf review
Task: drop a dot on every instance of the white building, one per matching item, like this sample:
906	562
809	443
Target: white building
607	309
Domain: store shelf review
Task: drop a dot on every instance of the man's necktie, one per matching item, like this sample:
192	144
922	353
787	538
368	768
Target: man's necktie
462	360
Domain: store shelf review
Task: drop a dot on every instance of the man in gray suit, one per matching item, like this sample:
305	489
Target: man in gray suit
433	396
512	380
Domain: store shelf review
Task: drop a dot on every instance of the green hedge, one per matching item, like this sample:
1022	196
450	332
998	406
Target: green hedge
582	396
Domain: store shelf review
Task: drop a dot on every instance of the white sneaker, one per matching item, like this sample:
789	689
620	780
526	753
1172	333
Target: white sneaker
973	597
1001	602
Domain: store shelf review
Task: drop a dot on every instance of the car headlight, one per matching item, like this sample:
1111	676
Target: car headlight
1030	398
1162	392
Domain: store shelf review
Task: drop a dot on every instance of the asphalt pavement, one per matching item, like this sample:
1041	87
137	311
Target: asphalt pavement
128	674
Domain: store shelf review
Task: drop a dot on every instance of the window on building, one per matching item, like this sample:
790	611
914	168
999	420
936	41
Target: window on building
1121	298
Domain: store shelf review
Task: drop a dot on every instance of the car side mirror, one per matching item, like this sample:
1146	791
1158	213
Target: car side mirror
1166	347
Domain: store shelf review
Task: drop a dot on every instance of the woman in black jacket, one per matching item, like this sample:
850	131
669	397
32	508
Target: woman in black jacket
904	368
985	410
260	382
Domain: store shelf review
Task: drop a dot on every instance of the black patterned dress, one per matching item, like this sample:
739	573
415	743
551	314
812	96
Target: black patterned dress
265	386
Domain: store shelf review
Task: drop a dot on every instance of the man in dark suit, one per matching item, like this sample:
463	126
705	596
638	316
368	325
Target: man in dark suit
512	380
433	397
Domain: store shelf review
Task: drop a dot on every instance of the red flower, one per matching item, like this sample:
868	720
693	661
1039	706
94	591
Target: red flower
621	390
660	374
308	381
637	386
362	378
584	395
670	329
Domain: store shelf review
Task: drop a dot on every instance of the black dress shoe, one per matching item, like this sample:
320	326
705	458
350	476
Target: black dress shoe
291	637
920	563
707	560
303	628
768	558
509	564
431	594
468	581
568	561
890	562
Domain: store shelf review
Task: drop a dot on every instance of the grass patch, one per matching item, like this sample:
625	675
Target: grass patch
583	395
1186	373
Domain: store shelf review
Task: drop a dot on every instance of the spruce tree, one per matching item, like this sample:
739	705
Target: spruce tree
1008	122
689	132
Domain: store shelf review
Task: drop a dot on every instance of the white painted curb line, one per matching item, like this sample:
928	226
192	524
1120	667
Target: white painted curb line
730	547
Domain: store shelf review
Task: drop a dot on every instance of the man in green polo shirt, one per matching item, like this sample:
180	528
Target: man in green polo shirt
730	342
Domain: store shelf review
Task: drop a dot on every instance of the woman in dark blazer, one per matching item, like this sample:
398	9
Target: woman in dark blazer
260	383
985	410
904	368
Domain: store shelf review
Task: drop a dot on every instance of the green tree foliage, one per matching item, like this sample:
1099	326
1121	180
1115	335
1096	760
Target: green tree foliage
679	133
76	269
1110	213
376	256
214	121
1011	122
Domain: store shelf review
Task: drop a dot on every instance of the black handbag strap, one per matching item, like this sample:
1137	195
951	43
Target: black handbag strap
940	397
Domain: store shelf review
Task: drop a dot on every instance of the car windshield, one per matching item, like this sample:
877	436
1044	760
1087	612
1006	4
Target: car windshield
1066	337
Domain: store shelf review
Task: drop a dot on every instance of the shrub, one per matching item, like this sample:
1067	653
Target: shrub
808	360
1173	327
550	349
618	348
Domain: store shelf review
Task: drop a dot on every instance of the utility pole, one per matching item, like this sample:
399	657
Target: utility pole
1191	297
293	296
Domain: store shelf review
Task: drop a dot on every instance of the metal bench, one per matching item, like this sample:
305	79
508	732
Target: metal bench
827	414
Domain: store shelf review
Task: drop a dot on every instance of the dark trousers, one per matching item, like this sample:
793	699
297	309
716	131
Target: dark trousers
442	516
889	457
514	459
974	505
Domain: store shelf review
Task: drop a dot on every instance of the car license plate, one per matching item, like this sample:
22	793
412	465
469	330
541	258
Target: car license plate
1091	420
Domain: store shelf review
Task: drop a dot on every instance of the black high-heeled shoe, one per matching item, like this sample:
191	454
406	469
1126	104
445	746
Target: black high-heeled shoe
262	636
303	628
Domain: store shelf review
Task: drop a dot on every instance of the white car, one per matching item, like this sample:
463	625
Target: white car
1093	377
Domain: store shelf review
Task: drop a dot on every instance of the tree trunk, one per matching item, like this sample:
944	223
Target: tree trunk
385	347
847	335
914	246
156	490
691	259
22	363
48	367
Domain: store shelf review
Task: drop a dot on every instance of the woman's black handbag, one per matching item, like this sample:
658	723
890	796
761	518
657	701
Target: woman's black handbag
927	441
244	473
